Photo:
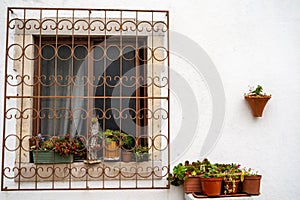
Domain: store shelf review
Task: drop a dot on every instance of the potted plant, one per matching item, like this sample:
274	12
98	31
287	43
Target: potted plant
54	149
80	152
112	144
141	153
251	182
187	175
231	178
194	171
257	100
211	182
127	145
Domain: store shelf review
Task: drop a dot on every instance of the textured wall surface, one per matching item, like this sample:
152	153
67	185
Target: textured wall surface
249	42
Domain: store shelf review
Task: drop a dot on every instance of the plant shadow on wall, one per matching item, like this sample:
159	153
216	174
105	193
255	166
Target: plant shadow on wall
205	179
257	100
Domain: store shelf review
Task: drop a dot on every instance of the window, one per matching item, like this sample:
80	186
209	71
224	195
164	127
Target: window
109	82
93	77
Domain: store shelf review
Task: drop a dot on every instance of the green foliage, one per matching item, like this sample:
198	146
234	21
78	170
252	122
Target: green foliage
178	176
141	153
248	172
258	90
47	145
213	171
182	172
128	142
112	135
231	172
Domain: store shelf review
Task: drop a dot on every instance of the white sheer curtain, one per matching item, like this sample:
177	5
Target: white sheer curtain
57	103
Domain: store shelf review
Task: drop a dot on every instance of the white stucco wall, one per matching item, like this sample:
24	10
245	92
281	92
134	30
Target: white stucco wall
249	42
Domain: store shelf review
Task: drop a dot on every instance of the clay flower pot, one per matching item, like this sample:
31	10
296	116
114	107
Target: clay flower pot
192	184
126	156
257	104
251	185
211	186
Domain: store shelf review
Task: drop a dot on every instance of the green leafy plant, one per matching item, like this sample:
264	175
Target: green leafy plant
257	92
141	153
182	172
64	145
248	172
178	176
47	145
128	142
213	171
231	171
80	149
112	135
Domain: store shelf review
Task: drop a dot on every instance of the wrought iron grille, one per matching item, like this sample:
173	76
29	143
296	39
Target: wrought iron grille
86	102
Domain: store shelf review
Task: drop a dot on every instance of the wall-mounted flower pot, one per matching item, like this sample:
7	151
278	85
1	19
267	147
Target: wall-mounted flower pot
257	104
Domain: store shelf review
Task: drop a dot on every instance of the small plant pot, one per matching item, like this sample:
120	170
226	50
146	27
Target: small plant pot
251	185
211	186
257	104
126	156
192	184
112	151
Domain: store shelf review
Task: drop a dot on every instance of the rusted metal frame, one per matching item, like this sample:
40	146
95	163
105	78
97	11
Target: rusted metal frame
70	120
152	60
89	96
104	91
21	101
93	189
168	54
91	9
137	134
55	85
38	88
4	100
86	97
89	86
72	71
121	91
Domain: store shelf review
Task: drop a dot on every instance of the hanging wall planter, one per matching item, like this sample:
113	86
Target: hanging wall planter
257	101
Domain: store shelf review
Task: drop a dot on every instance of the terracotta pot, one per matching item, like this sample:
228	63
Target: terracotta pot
257	104
251	185
211	186
126	156
192	184
231	187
